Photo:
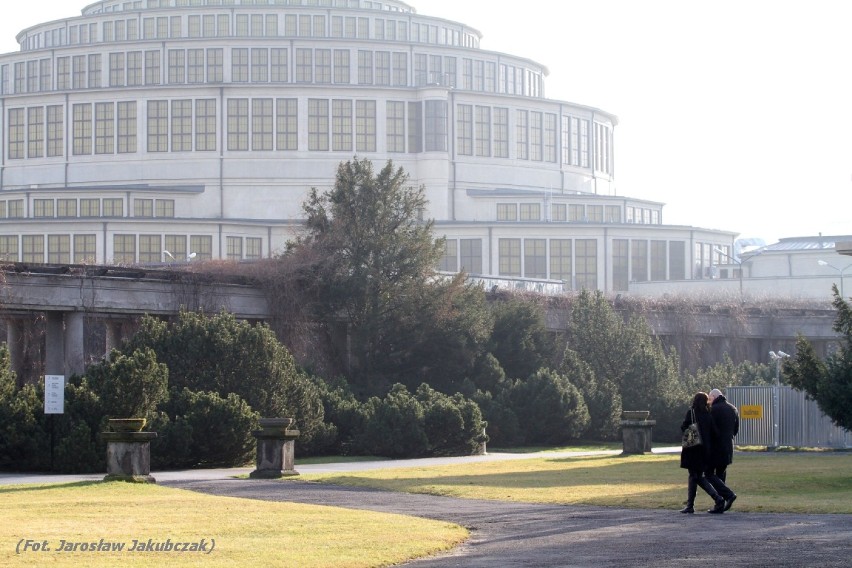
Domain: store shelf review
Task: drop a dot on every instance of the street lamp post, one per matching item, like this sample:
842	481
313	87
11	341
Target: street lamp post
776	395
839	270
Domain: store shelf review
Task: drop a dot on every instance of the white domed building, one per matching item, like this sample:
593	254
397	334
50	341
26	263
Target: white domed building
149	130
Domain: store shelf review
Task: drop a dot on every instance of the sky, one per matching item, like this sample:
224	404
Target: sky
737	114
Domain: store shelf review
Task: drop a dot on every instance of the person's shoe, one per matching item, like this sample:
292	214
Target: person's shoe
730	501
688	509
719	508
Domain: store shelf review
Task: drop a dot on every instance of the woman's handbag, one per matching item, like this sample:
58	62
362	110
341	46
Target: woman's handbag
691	436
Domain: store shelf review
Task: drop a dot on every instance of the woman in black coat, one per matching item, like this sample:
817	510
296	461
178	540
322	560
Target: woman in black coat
698	459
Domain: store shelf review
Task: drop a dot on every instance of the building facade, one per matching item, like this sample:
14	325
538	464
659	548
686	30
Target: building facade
148	131
798	268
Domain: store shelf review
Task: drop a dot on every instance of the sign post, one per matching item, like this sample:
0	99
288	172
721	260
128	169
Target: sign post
54	394
54	403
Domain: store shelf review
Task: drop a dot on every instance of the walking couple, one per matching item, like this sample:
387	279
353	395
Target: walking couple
718	422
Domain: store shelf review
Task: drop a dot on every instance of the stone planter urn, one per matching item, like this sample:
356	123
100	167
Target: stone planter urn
128	450
635	414
636	431
127	424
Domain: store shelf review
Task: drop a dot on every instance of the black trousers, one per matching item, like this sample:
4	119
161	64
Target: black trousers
718	483
721	472
698	479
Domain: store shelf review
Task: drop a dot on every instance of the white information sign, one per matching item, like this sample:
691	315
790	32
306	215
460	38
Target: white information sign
54	394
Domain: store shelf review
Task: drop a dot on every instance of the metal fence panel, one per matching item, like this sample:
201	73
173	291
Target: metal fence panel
799	422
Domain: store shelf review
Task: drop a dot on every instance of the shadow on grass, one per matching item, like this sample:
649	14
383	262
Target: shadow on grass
555	473
47	486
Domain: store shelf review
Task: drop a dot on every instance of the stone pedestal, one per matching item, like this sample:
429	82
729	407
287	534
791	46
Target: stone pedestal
129	456
275	449
636	431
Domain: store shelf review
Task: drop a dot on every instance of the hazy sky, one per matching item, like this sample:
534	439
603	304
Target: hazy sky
735	113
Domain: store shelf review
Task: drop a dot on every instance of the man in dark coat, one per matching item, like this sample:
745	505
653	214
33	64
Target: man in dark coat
698	460
727	421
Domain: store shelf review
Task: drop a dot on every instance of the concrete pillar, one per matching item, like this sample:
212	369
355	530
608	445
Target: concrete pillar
54	363
114	335
15	329
75	358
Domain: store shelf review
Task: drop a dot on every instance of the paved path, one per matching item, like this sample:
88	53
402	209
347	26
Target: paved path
517	534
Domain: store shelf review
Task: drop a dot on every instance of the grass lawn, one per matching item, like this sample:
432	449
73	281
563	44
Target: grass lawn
767	482
240	532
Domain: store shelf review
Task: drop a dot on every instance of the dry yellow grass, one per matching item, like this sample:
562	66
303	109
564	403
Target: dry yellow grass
237	532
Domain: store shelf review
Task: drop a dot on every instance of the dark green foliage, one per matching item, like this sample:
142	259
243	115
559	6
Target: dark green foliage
78	451
205	429
26	432
828	382
344	414
602	397
503	427
223	355
84	415
438	338
395	426
520	341
172	448
488	375
402	425
368	258
627	356
549	408
371	242
453	424
206	422
129	386
24	438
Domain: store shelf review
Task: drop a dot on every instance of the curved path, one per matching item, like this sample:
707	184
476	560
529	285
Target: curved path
516	534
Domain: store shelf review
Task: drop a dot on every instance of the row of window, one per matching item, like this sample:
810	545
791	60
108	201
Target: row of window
124	5
86	207
266	124
255	25
252	124
484	131
575	213
265	65
574	261
127	249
